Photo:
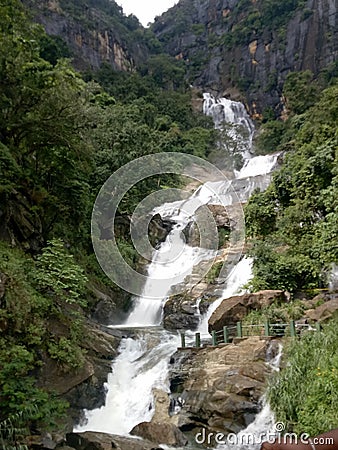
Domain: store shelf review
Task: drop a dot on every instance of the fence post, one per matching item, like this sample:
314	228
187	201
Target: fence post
182	340
266	328
198	339
239	330
225	335
214	337
292	328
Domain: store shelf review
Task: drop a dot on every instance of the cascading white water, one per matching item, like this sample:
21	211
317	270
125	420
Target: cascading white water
259	165
142	363
140	366
224	110
239	276
333	278
175	260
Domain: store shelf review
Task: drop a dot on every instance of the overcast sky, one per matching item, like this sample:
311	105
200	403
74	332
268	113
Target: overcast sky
146	10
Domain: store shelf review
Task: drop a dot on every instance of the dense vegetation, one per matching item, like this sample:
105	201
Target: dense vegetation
293	225
61	137
292	229
304	395
62	134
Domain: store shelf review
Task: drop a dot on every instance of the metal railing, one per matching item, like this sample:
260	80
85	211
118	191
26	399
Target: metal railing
267	329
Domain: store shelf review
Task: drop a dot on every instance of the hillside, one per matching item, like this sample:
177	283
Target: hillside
245	49
95	32
238	48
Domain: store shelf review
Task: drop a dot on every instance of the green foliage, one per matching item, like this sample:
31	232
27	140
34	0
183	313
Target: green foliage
18	387
304	394
275	313
53	48
26	317
14	429
270	137
58	275
300	91
67	355
293	224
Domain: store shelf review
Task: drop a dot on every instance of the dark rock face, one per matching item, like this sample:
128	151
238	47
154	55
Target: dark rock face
83	387
159	229
201	32
20	225
91	33
180	313
234	309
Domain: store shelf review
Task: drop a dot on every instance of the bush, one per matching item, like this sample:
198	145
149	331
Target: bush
58	274
304	394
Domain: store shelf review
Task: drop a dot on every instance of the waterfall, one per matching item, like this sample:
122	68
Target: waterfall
333	278
142	362
224	110
239	275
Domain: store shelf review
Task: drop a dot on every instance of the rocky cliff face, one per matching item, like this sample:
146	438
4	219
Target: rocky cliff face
236	47
95	32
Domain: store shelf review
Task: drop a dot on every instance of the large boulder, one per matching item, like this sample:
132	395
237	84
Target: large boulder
102	441
160	433
235	308
181	313
220	216
323	312
219	388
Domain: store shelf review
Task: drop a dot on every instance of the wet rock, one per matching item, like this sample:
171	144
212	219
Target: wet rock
220	217
180	313
102	441
235	308
159	229
160	433
220	387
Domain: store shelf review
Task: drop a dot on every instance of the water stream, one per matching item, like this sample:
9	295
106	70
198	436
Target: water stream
142	363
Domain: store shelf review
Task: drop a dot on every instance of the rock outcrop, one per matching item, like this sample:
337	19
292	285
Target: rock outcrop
234	309
234	47
102	441
324	312
95	33
160	433
180	313
83	387
220	387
